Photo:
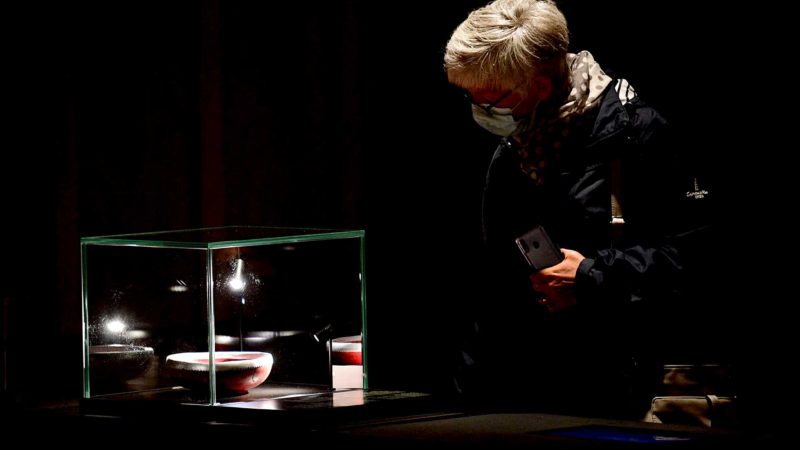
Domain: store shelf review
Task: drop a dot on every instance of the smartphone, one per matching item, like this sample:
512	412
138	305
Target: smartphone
538	250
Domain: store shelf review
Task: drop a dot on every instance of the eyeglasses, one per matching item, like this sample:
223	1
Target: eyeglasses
488	107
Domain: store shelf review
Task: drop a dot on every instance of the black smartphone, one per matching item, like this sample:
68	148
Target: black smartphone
538	250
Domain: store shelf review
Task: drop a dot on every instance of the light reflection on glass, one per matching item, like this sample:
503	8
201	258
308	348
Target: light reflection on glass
236	283
179	287
115	326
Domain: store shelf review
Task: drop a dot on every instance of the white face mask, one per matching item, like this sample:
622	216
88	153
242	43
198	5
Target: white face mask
501	122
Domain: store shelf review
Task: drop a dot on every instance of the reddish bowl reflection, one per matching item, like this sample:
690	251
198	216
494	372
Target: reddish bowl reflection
346	351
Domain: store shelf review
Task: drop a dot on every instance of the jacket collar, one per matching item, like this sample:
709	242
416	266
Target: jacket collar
612	117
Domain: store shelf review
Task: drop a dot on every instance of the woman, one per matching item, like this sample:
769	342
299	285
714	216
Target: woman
584	157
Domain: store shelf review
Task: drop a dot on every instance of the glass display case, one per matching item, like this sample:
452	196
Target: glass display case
224	316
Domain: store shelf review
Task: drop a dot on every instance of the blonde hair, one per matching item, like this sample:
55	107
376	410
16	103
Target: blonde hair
505	43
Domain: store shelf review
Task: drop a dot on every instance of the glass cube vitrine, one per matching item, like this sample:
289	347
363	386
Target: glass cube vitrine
223	315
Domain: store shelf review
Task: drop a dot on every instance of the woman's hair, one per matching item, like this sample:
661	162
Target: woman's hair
505	43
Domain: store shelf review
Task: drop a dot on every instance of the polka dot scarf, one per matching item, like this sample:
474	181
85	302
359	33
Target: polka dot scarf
549	134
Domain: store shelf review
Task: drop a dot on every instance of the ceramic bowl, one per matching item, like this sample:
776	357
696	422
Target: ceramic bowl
235	371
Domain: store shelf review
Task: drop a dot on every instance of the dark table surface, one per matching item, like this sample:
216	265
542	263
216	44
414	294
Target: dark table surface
373	419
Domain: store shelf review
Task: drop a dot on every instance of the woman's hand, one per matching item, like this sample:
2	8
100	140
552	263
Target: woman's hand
557	283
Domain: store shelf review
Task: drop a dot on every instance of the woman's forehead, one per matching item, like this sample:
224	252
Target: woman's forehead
493	87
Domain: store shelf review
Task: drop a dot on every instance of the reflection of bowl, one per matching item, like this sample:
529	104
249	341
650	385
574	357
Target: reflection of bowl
117	363
236	371
254	340
346	351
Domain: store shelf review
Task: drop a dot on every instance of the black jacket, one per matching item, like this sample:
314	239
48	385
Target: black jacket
585	360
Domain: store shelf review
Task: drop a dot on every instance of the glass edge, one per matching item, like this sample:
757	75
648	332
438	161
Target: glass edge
150	244
182	230
211	328
85	322
364	338
328	236
194	245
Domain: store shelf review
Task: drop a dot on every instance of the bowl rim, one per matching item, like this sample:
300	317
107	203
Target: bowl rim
188	361
346	347
346	344
119	350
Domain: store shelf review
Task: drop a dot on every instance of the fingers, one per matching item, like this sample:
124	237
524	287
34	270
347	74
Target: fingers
541	281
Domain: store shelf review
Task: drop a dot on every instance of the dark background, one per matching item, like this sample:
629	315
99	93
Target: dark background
131	117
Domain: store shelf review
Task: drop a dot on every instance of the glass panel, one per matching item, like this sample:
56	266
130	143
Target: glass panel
287	300
144	304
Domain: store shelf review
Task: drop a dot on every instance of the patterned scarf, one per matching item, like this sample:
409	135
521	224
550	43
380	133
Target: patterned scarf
550	132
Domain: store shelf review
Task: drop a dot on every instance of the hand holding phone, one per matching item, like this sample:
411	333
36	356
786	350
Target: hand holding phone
538	250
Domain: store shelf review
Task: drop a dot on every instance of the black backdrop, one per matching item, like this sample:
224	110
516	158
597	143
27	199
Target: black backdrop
129	117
